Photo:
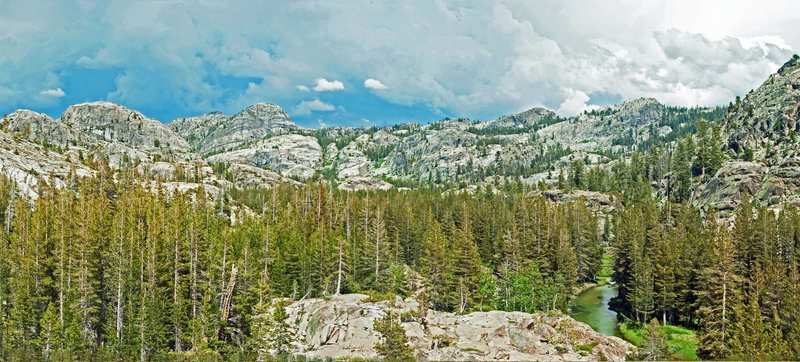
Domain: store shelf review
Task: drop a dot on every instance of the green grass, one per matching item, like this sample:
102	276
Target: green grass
682	341
607	268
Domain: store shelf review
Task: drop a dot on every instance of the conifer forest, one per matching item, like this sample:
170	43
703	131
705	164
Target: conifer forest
114	267
361	180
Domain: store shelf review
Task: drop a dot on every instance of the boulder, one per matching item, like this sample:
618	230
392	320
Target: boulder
343	327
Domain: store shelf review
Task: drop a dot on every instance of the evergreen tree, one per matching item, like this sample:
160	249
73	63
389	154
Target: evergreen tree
654	345
682	169
394	343
718	299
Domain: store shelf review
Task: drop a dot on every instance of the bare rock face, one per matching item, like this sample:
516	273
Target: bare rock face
119	155
364	183
42	128
216	132
353	162
342	327
524	119
767	121
197	130
640	111
331	153
290	155
28	164
433	150
767	186
114	123
593	200
598	130
383	138
764	127
247	176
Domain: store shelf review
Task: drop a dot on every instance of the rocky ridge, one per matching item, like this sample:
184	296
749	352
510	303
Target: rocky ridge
216	132
113	123
290	155
28	164
342	327
762	140
527	118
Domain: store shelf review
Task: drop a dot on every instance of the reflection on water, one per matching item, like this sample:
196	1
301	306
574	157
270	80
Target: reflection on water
591	307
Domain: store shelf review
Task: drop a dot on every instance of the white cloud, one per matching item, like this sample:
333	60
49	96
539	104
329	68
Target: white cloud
323	85
372	83
574	104
58	93
322	124
306	107
302	88
475	59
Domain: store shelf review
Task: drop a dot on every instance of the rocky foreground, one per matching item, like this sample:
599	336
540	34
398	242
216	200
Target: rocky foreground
342	327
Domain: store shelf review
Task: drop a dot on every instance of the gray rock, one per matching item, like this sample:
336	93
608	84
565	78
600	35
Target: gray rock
343	327
528	118
43	128
766	123
364	183
216	132
290	155
113	123
353	162
28	164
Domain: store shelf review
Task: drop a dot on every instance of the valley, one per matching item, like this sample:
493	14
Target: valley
219	235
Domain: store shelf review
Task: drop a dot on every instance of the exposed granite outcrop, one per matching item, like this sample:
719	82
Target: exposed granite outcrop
342	327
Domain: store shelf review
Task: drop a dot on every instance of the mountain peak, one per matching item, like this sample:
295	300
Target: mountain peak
265	112
98	113
525	118
215	132
790	65
640	110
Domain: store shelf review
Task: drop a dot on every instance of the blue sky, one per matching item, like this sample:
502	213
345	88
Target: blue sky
362	62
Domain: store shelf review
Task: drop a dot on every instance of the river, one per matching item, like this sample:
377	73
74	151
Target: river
591	307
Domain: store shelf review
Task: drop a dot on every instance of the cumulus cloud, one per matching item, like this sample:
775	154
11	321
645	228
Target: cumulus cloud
306	107
58	93
574	103
323	85
372	83
474	59
322	124
302	88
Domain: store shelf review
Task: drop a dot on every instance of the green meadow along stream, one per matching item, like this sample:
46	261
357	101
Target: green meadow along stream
591	307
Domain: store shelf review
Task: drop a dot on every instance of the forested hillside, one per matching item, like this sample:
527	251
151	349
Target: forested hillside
119	239
113	267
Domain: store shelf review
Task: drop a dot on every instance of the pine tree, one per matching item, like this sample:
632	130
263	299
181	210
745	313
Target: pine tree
664	276
654	345
682	169
50	330
437	265
270	329
464	266
718	299
394	343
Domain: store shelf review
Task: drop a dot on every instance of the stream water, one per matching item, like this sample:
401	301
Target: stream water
591	307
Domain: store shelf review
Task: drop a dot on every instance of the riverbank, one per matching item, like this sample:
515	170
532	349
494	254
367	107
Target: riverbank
603	276
682	341
591	307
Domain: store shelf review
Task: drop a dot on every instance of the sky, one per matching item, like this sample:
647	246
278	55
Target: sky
374	62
